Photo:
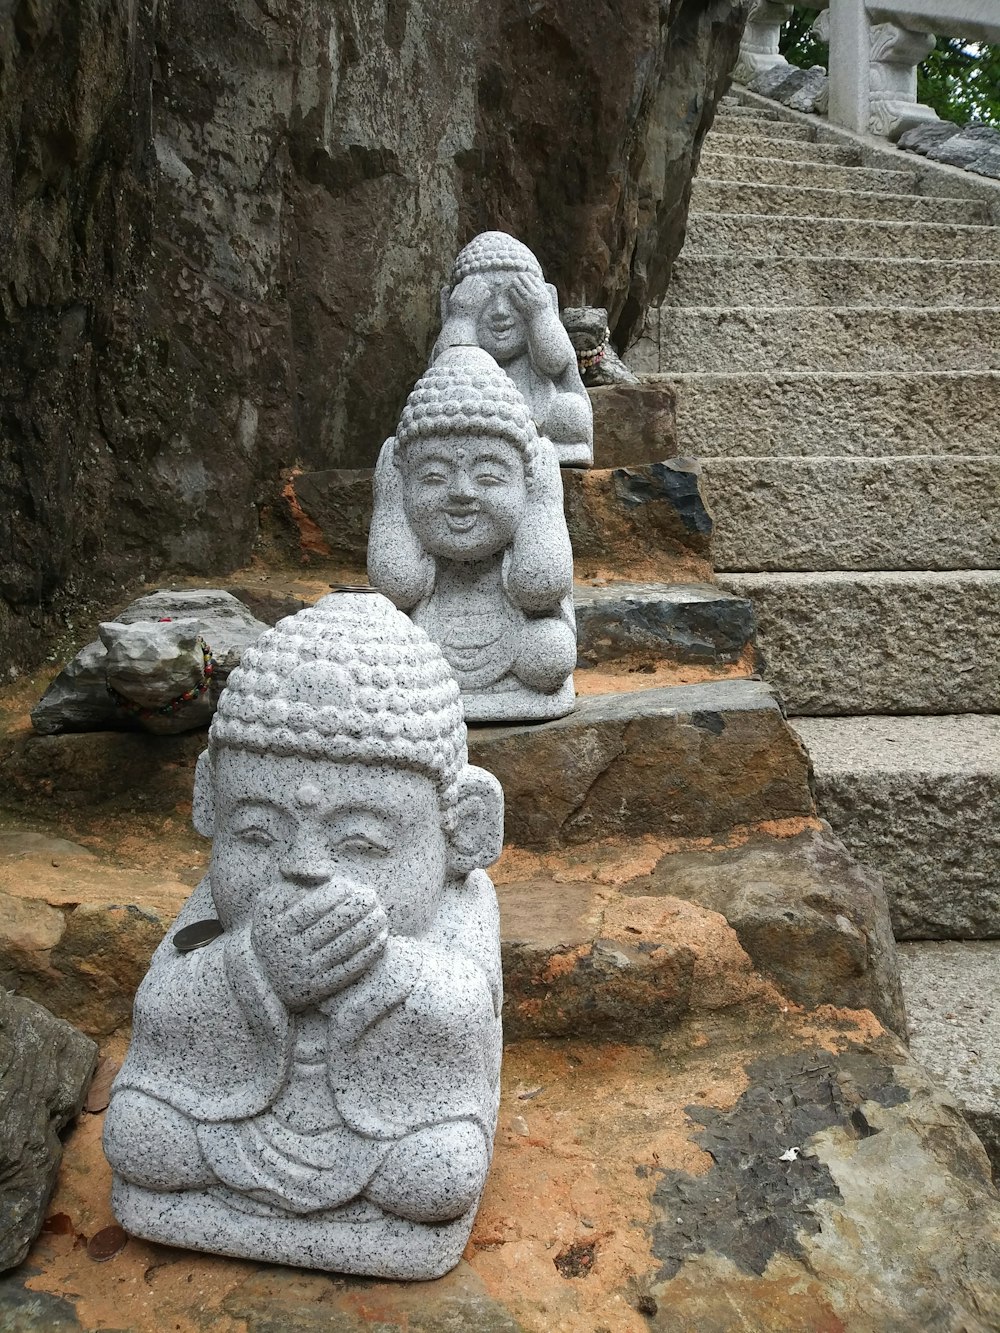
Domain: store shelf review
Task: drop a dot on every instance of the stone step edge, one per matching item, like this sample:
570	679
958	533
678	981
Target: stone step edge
834	193
882	758
797	577
852	310
712	152
826	375
672	749
935	228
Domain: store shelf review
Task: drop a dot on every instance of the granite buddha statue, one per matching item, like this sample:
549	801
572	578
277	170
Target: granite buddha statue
313	1072
469	537
498	299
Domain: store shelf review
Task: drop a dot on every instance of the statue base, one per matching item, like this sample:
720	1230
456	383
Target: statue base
519	704
369	1243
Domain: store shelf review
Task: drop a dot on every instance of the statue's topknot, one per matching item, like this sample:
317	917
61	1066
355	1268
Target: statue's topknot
350	678
466	393
493	252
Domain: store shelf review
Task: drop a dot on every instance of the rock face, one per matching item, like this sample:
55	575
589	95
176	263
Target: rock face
220	225
45	1068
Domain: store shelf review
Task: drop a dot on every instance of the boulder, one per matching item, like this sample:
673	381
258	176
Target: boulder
930	134
967	147
79	699
45	1069
799	89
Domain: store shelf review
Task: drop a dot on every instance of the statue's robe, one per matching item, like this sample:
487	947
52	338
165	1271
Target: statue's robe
297	1111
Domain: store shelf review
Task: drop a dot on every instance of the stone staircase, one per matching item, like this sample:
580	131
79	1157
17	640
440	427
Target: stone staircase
831	332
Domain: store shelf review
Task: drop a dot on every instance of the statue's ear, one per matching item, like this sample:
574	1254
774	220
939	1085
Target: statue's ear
203	806
476	837
445	293
553	297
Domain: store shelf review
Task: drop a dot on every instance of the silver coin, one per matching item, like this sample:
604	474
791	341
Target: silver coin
197	935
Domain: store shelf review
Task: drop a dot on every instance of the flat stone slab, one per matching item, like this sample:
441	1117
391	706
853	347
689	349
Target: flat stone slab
765	413
649	622
913	513
762	127
739	196
829	280
772	169
760	233
627	1193
643	761
687	760
918	799
953	1001
858	338
875	642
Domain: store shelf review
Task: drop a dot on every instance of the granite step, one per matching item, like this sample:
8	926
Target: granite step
760	127
858	338
731	280
720	165
648	624
762	234
918	800
823	513
806	413
953	1001
736	110
724	195
648	761
836	643
740	139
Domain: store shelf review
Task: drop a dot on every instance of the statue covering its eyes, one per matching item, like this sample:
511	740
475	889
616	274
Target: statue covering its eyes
498	299
469	537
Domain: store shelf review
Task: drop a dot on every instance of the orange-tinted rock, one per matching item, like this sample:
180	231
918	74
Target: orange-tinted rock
632	1188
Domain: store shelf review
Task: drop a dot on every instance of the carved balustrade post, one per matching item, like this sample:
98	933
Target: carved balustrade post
895	54
873	68
759	48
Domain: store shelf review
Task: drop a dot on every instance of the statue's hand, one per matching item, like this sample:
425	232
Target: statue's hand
315	942
530	297
469	297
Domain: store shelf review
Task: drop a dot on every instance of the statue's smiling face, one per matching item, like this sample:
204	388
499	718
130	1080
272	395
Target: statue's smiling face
465	497
500	326
309	821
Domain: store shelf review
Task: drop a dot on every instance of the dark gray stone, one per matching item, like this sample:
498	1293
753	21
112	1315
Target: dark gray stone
45	1069
967	147
922	138
694	622
799	89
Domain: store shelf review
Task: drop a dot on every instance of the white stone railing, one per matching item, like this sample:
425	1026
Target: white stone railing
875	49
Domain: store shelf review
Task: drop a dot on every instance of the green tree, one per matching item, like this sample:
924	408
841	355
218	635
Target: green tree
960	80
